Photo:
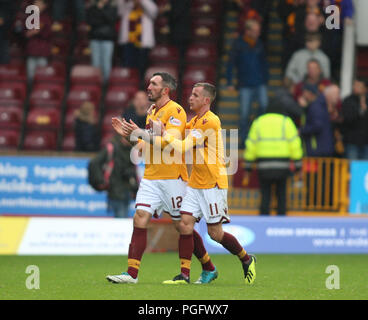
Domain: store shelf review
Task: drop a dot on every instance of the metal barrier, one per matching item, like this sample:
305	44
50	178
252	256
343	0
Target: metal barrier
321	188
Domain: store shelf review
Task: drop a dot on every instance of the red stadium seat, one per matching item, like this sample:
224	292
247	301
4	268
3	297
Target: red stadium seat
164	54
85	75
119	97
68	143
82	53
40	140
205	30
79	94
206	8
199	53
47	95
13	90
106	122
53	73
173	70
124	76
12	72
192	75
106	137
11	117
9	139
43	118
63	29
60	48
162	29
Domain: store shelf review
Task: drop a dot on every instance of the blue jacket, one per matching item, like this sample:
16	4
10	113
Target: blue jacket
250	63
317	132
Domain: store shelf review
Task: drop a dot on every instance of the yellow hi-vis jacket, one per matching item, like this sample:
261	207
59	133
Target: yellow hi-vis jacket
273	142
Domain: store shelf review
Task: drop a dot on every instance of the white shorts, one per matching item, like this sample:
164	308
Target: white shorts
208	203
157	196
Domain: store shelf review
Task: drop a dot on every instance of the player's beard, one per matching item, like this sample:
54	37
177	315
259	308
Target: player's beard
155	98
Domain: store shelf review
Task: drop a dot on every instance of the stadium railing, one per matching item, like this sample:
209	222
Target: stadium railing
320	189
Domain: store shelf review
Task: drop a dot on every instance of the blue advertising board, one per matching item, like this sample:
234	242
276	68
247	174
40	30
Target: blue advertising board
359	187
48	186
294	234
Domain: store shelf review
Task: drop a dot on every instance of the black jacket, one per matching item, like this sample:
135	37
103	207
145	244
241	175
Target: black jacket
86	136
355	125
102	22
123	176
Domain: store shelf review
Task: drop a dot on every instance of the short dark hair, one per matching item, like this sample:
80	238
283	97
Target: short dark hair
209	88
167	79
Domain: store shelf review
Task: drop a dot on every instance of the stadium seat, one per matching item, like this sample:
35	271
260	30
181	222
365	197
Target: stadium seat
43	118
106	137
79	94
199	53
47	95
85	75
68	143
16	53
192	75
53	73
205	30
118	98
9	139
63	29
106	121
124	76
162	29
173	70
60	48
164	54
206	8
12	72
39	140
13	90
11	117
82	53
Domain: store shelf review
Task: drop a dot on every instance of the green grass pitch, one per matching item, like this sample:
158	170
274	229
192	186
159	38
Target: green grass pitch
278	277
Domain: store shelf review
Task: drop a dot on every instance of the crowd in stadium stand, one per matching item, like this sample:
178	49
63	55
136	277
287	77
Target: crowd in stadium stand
127	39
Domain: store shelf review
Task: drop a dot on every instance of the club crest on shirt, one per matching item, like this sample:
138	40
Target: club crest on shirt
178	109
174	121
204	121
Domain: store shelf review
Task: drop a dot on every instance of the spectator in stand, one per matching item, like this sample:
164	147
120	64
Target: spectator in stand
314	77
249	58
137	34
59	12
101	16
7	13
85	127
137	111
285	95
38	48
123	183
355	114
317	130
297	67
